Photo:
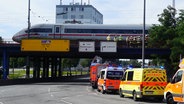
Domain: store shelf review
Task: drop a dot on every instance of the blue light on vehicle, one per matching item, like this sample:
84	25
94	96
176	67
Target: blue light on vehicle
130	67
162	67
110	67
120	68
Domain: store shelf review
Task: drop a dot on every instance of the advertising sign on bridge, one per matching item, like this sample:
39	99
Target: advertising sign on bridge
45	45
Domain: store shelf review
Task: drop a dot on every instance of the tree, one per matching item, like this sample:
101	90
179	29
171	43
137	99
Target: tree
178	42
67	62
85	62
162	35
169	34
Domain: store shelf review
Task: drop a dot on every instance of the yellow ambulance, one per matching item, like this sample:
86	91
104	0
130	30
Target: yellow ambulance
174	91
143	82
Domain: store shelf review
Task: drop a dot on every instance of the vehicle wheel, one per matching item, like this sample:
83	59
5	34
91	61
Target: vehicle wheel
120	93
170	100
160	99
135	96
98	89
103	91
94	87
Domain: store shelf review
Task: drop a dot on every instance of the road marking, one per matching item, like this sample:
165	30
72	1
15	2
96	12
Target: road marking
66	101
49	91
90	91
1	103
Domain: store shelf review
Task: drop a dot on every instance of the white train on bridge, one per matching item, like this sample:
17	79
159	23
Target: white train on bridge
83	32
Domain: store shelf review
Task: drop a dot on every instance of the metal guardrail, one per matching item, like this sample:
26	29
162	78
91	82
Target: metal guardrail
8	42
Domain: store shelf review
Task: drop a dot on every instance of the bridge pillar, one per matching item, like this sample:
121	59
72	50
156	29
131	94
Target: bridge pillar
5	64
45	73
27	67
47	67
59	69
36	67
44	68
53	67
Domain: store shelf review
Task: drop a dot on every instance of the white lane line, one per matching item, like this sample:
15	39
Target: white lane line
1	103
89	90
49	91
62	100
66	101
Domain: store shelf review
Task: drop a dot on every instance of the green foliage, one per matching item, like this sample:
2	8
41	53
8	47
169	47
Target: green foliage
85	62
167	18
17	62
67	62
132	62
169	34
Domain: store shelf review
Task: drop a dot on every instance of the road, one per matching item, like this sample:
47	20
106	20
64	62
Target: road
61	93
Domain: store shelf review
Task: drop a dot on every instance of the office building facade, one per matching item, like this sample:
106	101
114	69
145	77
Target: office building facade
78	13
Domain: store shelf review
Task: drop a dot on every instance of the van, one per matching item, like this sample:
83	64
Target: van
94	73
174	91
109	79
143	82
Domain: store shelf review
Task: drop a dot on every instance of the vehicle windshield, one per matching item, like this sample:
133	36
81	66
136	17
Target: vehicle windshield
114	74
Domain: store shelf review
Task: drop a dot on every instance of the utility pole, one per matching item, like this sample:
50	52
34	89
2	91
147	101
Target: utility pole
143	35
27	58
173	4
29	18
60	2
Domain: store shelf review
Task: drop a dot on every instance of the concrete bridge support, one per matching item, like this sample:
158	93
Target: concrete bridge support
47	64
5	64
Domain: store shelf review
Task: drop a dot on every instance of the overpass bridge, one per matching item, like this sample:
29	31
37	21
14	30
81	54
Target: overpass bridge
14	50
45	58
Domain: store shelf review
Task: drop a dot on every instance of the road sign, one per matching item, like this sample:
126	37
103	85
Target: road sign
108	46
86	46
45	45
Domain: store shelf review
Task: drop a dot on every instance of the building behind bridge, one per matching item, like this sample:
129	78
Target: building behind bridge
80	13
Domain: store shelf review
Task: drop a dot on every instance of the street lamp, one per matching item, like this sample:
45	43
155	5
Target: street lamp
27	58
143	35
29	18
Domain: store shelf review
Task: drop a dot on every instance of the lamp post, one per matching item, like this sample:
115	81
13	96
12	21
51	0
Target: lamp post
173	4
29	18
28	35
143	35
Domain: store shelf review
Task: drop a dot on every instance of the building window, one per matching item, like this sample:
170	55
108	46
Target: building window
81	9
65	16
81	16
65	9
73	9
72	16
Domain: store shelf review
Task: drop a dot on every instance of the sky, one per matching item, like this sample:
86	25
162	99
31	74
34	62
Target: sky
14	13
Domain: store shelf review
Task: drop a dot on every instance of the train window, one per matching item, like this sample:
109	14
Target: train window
104	31
57	30
43	30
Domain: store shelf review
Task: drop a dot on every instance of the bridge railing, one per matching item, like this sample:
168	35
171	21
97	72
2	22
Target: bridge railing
8	42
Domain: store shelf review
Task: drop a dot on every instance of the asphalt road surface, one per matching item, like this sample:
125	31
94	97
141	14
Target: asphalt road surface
61	93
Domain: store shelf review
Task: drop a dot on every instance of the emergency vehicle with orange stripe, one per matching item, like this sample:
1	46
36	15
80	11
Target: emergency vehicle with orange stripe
94	73
143	82
109	79
174	91
96	66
